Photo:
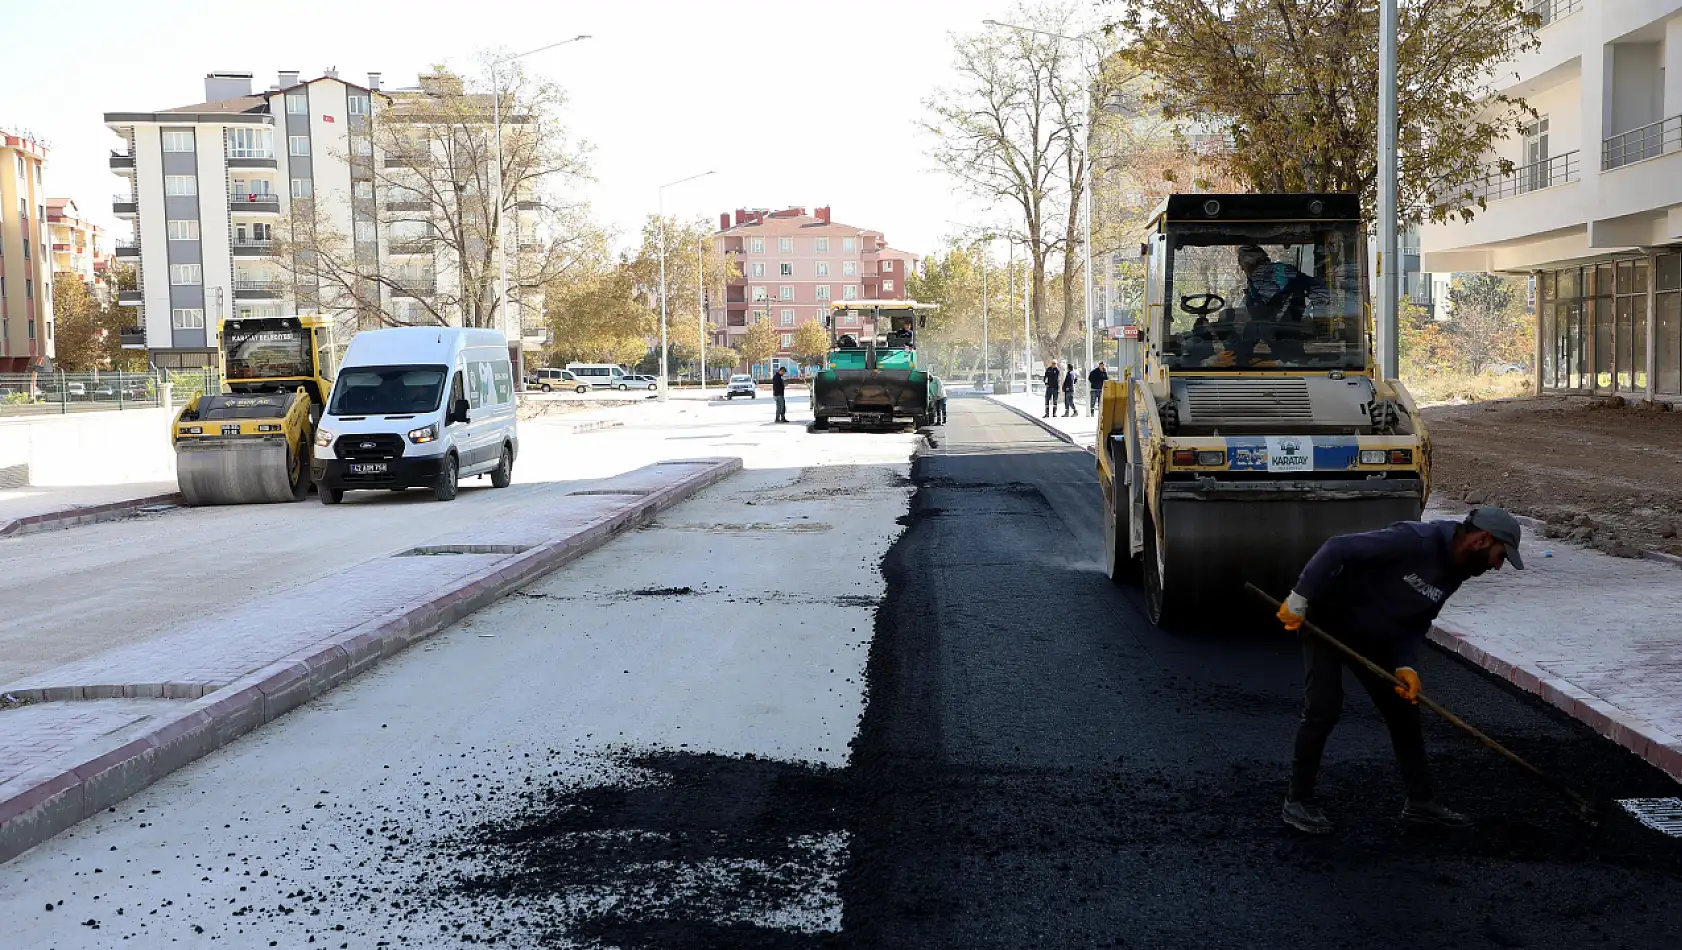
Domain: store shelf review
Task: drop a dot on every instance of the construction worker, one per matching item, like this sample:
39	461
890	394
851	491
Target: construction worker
937	400
1378	592
1052	375
778	392
1095	381
1069	390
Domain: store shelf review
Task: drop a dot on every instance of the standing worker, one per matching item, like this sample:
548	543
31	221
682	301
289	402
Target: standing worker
1069	389
1052	375
937	399
1096	379
777	387
1378	592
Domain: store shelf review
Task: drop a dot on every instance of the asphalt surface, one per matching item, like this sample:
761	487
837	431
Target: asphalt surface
1038	766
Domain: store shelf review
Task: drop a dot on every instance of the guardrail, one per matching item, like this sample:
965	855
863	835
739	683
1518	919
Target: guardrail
1638	145
1524	179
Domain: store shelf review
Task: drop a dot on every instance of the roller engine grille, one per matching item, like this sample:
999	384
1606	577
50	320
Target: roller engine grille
1242	402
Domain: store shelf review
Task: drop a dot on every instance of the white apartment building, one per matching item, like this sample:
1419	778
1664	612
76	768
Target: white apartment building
1593	208
209	183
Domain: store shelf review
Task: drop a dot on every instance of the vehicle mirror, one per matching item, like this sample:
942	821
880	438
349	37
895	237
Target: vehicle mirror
458	412
1145	249
922	321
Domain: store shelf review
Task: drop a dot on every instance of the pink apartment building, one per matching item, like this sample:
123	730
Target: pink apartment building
794	265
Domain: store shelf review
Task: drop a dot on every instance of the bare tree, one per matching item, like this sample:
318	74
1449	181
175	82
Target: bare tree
431	180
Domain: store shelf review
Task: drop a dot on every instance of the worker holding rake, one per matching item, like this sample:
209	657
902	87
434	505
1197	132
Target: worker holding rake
1378	592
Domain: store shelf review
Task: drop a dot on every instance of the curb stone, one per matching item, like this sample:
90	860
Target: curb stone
1059	433
88	514
1655	746
36	806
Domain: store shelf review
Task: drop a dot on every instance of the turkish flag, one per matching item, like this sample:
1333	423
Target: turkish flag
326	118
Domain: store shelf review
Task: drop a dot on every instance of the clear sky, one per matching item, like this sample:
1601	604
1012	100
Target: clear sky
792	102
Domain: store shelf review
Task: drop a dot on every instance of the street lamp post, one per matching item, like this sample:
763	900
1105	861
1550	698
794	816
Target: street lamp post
501	208
660	201
701	303
1389	263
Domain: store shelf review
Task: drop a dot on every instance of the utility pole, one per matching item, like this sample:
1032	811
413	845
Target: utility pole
986	364
660	218
701	303
1389	262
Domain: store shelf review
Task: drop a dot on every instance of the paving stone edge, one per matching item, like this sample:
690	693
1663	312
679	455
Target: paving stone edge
1655	746
40	804
1059	433
86	514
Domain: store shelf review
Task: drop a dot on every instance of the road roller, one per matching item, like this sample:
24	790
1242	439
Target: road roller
1249	422
251	443
872	378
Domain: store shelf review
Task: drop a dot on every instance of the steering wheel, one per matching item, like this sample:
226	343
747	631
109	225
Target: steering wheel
1210	304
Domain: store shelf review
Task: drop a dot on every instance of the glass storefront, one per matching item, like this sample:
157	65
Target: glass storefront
1598	323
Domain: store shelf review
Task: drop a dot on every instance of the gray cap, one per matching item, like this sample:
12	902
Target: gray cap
1503	526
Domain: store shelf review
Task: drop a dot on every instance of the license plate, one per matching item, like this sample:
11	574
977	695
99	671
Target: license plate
230	430
367	468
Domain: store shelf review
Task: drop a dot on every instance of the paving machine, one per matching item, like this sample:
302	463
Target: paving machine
251	443
1249	423
872	377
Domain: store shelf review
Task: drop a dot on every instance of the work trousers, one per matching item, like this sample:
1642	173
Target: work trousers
940	411
1050	399
1068	402
1093	408
782	408
1322	694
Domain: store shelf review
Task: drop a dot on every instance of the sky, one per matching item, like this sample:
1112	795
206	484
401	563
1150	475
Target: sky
790	102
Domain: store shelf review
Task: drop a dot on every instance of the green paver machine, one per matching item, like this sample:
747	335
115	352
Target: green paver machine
872	377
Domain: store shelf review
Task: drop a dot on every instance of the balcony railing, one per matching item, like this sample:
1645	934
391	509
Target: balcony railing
254	197
259	283
1638	145
1527	178
1553	10
121	161
415	286
421	246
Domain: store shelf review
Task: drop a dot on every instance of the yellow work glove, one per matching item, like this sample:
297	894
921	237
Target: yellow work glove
1292	610
1409	690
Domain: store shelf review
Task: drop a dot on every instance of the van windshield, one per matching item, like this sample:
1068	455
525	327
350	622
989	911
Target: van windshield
387	390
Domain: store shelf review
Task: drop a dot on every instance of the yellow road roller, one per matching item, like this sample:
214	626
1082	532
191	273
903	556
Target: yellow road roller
251	443
1249	424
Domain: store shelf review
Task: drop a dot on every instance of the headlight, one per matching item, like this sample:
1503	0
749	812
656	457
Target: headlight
323	438
424	434
1373	456
1211	457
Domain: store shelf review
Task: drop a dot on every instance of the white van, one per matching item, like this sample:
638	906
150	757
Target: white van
418	407
598	375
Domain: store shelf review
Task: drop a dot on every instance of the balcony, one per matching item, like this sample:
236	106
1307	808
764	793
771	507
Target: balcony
1524	179
415	286
61	247
254	202
129	298
1638	145
124	206
410	247
404	159
258	288
407	205
253	248
252	158
133	338
127	251
122	164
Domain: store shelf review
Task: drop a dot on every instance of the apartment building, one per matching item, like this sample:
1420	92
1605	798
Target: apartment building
794	265
26	293
1593	207
209	183
79	246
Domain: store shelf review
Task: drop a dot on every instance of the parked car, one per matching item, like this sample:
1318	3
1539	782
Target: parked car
76	390
638	382
741	385
104	391
549	379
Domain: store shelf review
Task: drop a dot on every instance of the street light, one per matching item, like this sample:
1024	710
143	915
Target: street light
1086	166
501	246
986	237
665	365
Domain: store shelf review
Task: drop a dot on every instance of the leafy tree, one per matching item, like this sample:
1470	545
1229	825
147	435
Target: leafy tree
87	333
811	343
952	279
722	357
1489	321
759	344
596	317
1294	85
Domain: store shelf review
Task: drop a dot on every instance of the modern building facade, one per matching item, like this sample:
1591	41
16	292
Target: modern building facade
208	185
794	265
1593	207
80	247
26	265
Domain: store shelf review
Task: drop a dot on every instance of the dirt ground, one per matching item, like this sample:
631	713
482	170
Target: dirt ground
1608	477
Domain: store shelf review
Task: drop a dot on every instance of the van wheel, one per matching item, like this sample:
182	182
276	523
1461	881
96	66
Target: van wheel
503	475
544	387
582	389
449	480
331	496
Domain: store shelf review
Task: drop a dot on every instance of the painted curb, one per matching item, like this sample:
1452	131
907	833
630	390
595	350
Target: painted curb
88	514
1658	748
37	806
1059	433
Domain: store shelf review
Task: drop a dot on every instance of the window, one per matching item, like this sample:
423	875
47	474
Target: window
787	318
849	245
785	292
250	143
251	234
788	340
850	292
887	267
187	318
29	290
757	245
362	146
365	232
362	189
181	185
178	140
785	245
182	230
849	268
304	187
785	269
357	104
298	145
821	245
23	168
297	104
186	275
887	286
758	293
823	291
759	268
823	268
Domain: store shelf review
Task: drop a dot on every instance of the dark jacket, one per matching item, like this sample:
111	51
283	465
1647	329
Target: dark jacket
1097	378
1052	374
777	384
1383	588
1069	380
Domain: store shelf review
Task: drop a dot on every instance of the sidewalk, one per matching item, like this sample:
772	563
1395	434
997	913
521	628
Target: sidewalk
1597	636
32	508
